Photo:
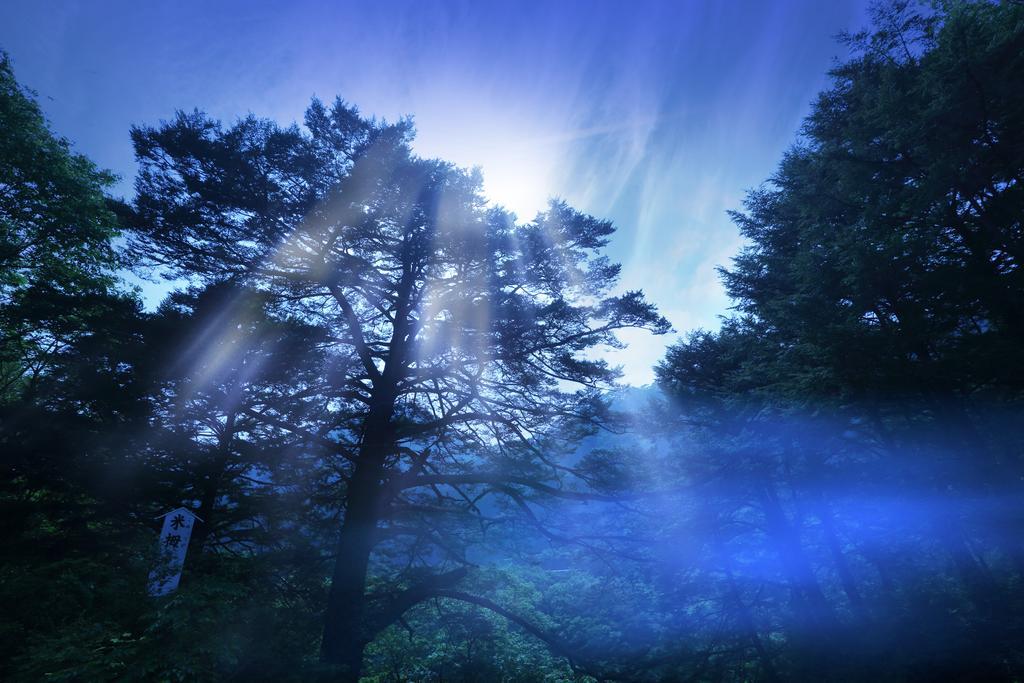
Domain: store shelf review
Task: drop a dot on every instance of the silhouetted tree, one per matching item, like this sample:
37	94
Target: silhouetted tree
71	406
857	406
56	257
456	340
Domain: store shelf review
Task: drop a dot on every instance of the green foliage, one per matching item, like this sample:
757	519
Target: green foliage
449	641
55	238
92	623
447	355
843	426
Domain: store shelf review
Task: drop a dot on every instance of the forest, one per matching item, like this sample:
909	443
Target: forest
388	405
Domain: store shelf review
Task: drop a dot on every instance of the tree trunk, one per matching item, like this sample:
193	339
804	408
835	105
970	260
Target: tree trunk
835	548
214	474
347	626
796	564
883	565
344	636
746	623
346	632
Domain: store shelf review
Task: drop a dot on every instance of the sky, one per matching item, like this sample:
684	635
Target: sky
655	115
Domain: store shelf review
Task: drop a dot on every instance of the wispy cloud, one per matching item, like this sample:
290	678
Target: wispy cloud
654	114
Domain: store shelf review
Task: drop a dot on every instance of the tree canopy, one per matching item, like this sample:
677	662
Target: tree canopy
452	338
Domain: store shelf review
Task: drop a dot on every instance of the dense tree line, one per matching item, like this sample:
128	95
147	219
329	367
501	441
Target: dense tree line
860	406
384	399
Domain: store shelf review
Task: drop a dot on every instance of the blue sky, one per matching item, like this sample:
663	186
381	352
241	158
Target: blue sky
656	115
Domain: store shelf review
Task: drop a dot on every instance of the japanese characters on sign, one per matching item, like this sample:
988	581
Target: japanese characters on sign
174	539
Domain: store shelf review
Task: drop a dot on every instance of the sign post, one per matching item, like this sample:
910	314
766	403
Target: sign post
174	538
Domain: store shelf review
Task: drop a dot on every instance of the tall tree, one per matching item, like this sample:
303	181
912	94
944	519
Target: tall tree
457	362
56	229
71	405
865	385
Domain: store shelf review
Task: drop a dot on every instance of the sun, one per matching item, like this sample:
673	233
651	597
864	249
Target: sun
517	176
519	160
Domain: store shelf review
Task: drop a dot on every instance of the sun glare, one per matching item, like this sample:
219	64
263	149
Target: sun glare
516	176
518	160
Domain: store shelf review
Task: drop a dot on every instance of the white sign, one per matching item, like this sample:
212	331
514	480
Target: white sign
173	546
